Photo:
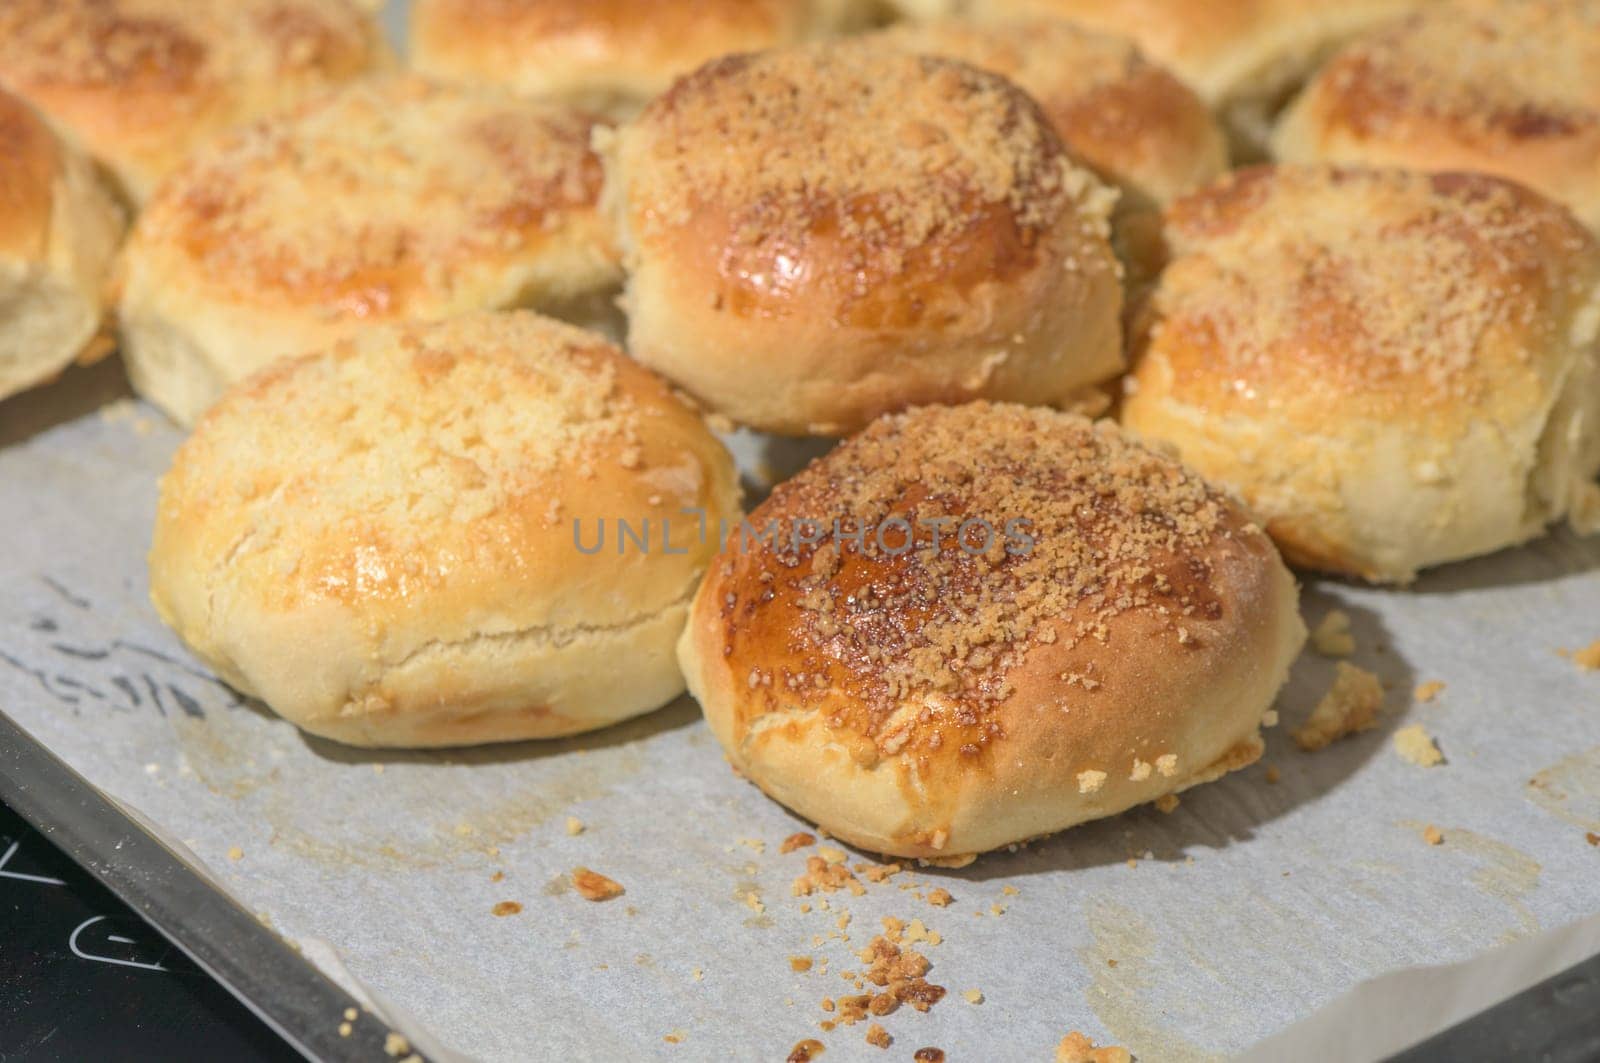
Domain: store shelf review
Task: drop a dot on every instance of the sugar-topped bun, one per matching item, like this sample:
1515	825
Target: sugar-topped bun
1244	57
606	54
59	228
139	84
1135	124
392	199
398	541
1508	87
1082	626
819	235
1393	369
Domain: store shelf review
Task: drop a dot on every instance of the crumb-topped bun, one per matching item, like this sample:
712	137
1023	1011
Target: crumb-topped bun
139	84
392	199
1244	57
1415	387
59	228
1132	122
820	235
1508	87
1042	623
612	55
412	539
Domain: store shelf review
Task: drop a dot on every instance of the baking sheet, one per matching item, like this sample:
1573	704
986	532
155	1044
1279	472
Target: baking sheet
1241	912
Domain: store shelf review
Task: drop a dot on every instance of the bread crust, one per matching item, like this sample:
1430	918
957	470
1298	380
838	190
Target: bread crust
379	540
1497	87
59	228
1414	390
140	84
388	200
932	703
874	230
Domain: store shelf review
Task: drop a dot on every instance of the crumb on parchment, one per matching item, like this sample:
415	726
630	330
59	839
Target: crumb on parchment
1432	835
1349	706
1332	637
1588	658
505	908
1426	692
593	886
1413	743
1076	1048
797	840
878	1037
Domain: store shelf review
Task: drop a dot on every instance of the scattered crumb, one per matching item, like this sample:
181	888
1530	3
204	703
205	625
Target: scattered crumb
973	996
755	845
1426	692
1349	706
940	897
1076	1048
395	1045
798	840
799	963
676	1037
593	886
805	1051
1592	838
1416	745
878	1036
1588	658
1432	835
1332	637
507	908
1269	718
1273	774
1167	803
820	875
833	856
952	863
498	876
235	853
698	974
928	1055
350	1014
574	826
1010	891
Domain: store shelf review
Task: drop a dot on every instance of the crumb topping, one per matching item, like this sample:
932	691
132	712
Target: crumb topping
887	150
378	201
1351	705
1273	287
915	632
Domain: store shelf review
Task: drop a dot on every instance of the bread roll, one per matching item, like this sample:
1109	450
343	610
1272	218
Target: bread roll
388	200
820	235
140	84
1508	88
1134	124
1041	624
1244	57
610	55
1394	370
412	538
59	228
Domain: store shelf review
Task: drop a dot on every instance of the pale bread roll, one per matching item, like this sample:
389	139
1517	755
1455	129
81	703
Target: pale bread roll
1120	636
1508	87
391	199
819	235
140	84
607	55
379	540
59	228
1393	369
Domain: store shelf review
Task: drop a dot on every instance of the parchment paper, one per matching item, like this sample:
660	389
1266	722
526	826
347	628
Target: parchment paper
1243	911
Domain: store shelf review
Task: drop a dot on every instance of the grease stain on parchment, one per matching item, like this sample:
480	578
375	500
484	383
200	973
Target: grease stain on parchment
1505	873
1570	789
1116	993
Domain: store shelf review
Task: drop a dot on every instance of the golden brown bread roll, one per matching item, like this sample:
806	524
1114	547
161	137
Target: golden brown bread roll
1508	87
1132	122
140	84
1040	624
1393	369
386	200
1244	57
609	55
398	541
819	235
59	228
